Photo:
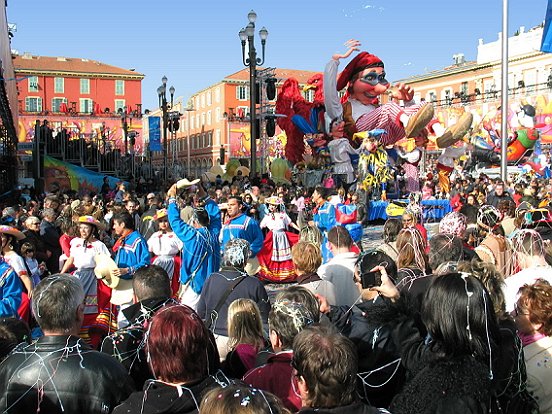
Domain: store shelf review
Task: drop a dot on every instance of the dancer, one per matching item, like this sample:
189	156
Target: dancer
82	256
166	246
275	255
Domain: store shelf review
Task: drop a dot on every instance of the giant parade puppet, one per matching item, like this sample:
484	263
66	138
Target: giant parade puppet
382	125
522	138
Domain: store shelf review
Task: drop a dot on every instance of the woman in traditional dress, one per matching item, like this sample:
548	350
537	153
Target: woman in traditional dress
275	255
165	246
10	237
97	295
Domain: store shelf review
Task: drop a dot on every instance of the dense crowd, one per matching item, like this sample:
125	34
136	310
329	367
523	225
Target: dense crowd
254	297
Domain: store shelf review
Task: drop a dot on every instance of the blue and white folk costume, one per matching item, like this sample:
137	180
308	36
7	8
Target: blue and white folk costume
200	252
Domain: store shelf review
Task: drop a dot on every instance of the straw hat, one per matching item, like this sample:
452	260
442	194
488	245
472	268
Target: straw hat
163	213
90	220
12	231
121	288
184	183
275	201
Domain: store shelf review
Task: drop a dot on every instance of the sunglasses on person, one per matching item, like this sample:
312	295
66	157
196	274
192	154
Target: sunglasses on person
373	78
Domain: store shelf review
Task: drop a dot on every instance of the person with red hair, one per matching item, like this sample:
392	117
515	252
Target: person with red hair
182	356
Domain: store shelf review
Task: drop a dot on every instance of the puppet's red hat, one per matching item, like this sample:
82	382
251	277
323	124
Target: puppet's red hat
361	61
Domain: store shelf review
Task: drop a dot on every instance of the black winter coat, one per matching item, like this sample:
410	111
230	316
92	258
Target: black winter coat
61	374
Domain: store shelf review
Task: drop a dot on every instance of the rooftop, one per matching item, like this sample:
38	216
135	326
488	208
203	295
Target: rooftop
28	63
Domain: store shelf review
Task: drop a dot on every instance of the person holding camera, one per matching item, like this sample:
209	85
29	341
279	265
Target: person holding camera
380	374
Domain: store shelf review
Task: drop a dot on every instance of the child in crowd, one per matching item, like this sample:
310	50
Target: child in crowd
245	332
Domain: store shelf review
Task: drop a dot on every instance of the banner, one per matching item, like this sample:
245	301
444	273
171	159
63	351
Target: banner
65	176
546	45
155	133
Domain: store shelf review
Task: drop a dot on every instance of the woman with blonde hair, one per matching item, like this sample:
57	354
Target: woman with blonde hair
307	258
245	337
412	260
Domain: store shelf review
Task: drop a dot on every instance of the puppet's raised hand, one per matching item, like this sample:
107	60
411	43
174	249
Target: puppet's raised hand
402	92
352	45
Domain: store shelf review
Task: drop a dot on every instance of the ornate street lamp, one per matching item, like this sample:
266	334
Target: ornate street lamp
251	60
163	104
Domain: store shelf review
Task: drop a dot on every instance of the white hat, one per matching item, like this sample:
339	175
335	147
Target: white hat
122	290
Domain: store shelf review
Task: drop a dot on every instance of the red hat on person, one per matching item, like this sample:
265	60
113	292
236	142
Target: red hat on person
360	62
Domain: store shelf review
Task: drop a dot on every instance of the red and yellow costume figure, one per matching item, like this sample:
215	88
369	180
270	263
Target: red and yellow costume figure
165	246
275	256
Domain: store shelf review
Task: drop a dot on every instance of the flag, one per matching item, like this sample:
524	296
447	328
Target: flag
155	133
546	45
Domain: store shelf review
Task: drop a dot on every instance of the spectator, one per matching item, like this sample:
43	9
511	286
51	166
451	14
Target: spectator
32	235
325	365
152	290
511	377
529	254
470	209
238	399
462	325
307	258
498	195
533	316
83	381
285	321
412	261
455	224
245	337
339	270
379	360
183	358
391	230
147	223
50	235
227	285
13	331
494	248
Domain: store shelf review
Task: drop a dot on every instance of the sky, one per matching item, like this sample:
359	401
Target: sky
195	43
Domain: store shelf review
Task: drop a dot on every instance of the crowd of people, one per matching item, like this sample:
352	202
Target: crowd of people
253	297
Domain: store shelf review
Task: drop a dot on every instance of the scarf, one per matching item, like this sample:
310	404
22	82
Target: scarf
120	240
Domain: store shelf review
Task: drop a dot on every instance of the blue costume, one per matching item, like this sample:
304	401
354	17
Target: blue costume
201	252
243	227
324	218
10	291
133	253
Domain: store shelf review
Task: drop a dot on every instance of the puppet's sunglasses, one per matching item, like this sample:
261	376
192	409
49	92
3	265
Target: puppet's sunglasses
373	78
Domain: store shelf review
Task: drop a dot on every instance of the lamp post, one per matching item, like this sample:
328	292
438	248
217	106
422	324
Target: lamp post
124	122
162	94
251	60
188	109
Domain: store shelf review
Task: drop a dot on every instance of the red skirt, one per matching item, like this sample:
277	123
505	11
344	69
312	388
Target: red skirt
279	272
96	326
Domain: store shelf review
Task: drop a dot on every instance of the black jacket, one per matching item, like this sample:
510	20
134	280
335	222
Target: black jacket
160	398
354	408
127	344
61	374
380	373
